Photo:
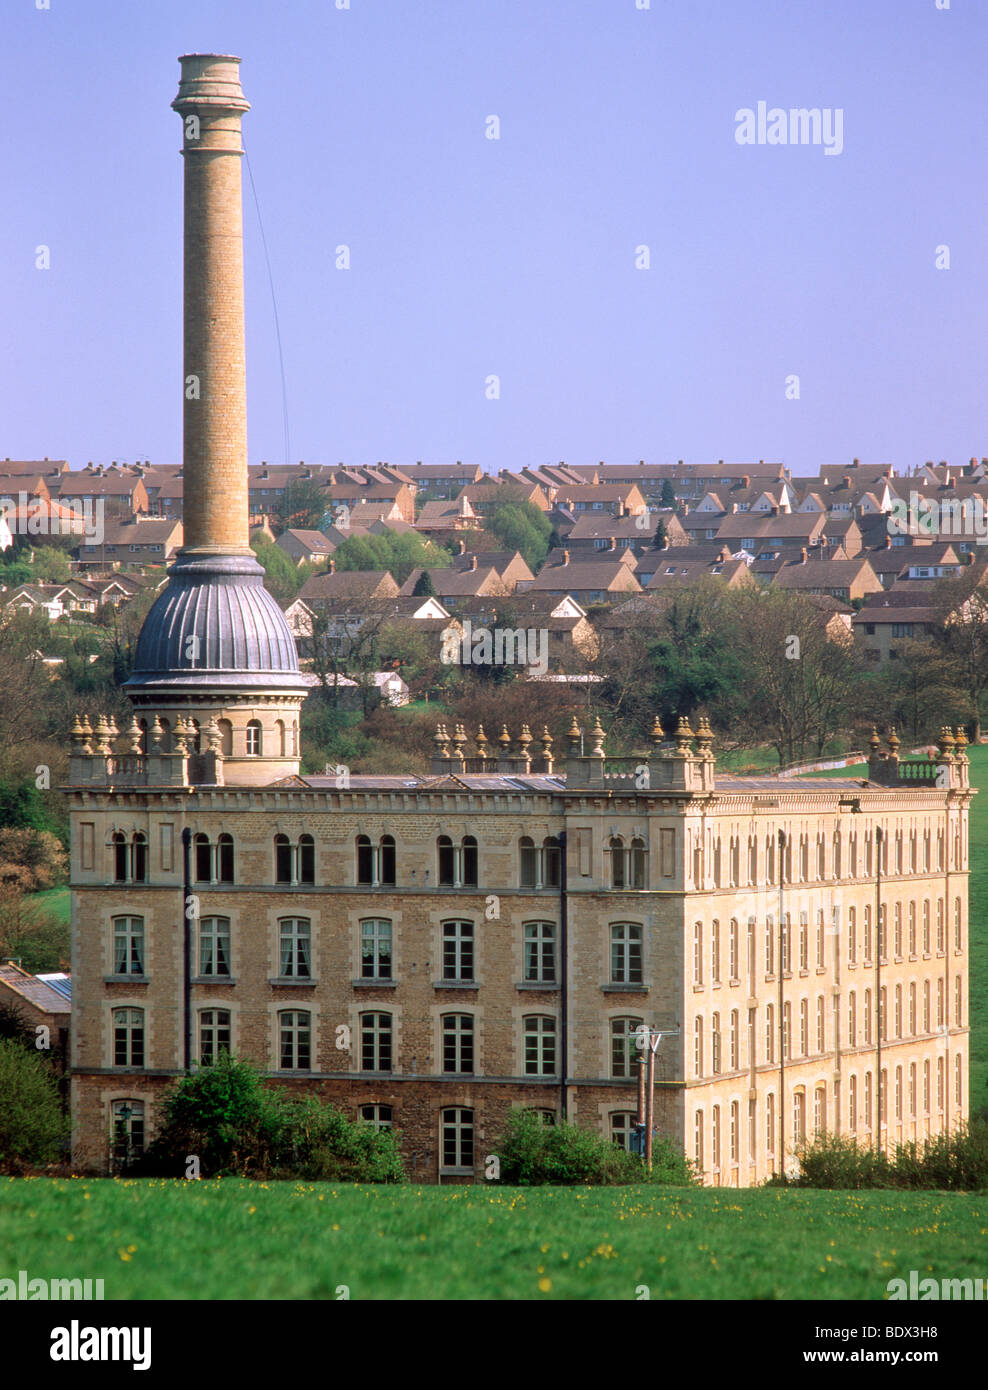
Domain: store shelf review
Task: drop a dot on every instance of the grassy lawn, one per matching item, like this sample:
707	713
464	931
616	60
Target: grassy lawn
56	901
978	911
236	1239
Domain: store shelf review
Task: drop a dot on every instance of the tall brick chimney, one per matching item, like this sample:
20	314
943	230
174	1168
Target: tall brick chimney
214	451
215	646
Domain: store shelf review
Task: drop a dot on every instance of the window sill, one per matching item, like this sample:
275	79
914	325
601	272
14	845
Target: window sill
292	981
126	979
536	984
375	984
624	989
213	980
456	984
456	1172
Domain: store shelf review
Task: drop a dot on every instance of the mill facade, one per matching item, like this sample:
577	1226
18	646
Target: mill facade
428	951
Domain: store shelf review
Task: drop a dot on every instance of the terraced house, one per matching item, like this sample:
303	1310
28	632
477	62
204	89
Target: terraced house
428	951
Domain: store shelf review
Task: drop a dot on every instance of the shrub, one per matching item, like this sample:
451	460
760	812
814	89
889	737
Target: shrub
533	1153
33	1128
956	1161
233	1123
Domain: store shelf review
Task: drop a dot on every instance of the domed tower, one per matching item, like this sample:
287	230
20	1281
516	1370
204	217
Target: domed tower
215	648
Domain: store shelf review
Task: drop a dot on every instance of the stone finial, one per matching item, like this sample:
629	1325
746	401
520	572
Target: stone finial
684	735
546	741
459	740
893	742
524	739
574	734
157	735
597	734
112	731
102	737
77	734
134	734
481	742
504	739
946	742
874	743
214	739
439	740
704	736
656	733
960	742
180	738
87	735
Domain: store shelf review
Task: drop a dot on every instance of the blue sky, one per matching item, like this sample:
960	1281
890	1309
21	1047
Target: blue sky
516	256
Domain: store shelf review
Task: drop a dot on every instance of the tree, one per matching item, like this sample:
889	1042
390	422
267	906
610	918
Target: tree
660	539
303	505
399	552
520	525
33	1128
51	565
960	635
424	587
282	577
668	498
799	682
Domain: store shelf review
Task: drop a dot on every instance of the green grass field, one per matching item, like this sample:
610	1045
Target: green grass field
237	1239
56	901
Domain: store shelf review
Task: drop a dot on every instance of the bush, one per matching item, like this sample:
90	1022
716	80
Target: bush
945	1162
533	1153
224	1114
33	1129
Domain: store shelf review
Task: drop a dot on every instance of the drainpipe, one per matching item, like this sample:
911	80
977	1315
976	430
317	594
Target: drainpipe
563	978
782	1017
880	941
187	945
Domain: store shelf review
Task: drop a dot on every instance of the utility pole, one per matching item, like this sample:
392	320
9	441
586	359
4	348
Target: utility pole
650	1038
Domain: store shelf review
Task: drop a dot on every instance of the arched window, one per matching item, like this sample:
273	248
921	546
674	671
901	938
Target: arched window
128	1133
128	945
375	949
128	1037
130	857
254	740
539	1033
624	1049
376	863
376	1038
456	1132
626	953
294	863
214	946
539	864
295	1032
540	953
166	734
194	736
295	937
226	738
457	863
213	863
628	863
852	1104
214	1034
279	735
458	1037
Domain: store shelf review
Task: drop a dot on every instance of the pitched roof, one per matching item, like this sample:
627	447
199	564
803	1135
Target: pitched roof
348	585
34	991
